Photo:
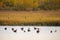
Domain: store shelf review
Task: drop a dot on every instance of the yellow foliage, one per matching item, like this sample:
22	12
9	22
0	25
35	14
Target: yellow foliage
35	3
20	1
30	3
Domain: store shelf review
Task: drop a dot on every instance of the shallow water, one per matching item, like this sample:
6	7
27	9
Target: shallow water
45	33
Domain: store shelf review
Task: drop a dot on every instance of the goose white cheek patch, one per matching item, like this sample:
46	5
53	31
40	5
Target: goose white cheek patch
29	33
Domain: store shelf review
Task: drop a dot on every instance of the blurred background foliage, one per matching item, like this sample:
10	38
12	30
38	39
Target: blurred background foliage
29	4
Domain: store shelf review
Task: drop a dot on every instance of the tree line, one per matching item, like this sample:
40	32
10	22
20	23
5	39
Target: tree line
29	5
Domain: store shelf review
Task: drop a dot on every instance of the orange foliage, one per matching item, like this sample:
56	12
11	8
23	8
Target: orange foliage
1	4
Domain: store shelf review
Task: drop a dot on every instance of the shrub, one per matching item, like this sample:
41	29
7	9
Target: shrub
49	6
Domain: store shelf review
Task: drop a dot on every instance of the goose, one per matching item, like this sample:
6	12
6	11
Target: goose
15	30
28	30
5	28
22	29
38	30
51	31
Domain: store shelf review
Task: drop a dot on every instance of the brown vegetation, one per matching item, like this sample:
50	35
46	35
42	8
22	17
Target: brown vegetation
26	18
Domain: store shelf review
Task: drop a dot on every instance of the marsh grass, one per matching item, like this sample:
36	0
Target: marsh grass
30	24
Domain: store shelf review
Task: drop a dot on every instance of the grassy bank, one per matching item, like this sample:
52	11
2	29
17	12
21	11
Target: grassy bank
48	18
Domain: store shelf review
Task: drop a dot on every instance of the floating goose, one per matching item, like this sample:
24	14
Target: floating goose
22	29
38	30
55	30
28	30
12	28
35	28
51	31
15	30
5	28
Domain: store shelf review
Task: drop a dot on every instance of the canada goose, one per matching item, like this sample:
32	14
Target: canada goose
22	29
35	28
12	28
55	30
15	30
38	30
51	31
5	28
28	30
